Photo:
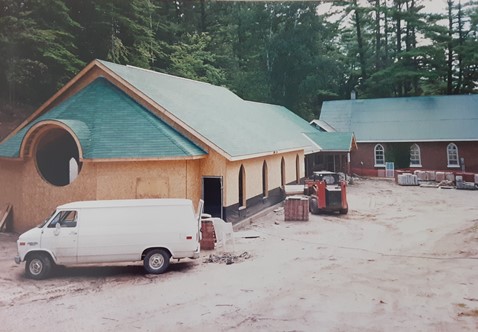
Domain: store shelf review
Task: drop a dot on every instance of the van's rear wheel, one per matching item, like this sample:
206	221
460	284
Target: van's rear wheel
38	266
156	261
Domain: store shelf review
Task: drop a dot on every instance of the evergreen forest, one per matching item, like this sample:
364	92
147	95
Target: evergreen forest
289	53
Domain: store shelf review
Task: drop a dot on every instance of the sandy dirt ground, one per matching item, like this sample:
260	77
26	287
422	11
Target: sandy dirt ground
403	259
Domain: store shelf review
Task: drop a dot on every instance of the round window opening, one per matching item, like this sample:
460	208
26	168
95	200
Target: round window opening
57	157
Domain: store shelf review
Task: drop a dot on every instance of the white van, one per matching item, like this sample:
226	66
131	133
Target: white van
111	231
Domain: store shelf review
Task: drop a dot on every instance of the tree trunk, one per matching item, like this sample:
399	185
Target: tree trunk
461	39
449	87
386	32
378	36
358	27
203	16
398	35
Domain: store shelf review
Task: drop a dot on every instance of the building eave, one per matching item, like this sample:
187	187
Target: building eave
266	154
106	160
417	141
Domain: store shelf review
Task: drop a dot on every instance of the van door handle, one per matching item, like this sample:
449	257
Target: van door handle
74	233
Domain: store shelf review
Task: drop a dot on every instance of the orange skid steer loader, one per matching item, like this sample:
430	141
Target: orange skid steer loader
327	193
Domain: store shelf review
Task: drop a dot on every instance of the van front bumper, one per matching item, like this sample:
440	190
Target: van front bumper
17	259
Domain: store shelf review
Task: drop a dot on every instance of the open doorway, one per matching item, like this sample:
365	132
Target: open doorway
212	195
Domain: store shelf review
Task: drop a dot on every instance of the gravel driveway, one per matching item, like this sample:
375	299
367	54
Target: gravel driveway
404	258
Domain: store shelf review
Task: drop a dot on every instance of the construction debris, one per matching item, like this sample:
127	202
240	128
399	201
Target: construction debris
446	184
466	185
4	217
227	258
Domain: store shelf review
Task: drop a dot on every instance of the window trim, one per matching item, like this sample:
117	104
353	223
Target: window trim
454	147
375	149
419	156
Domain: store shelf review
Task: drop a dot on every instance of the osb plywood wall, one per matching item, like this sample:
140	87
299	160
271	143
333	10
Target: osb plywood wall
34	199
148	179
213	165
10	182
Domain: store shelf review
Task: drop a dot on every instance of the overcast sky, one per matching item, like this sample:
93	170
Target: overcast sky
435	6
431	6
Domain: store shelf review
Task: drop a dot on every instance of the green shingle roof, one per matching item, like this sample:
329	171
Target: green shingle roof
437	118
110	125
237	127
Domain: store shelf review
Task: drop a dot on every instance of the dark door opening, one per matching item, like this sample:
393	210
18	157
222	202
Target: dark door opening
212	196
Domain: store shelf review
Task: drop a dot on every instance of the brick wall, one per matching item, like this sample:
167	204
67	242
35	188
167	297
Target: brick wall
433	157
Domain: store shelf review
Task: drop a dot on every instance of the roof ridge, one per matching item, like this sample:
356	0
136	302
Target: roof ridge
470	95
169	75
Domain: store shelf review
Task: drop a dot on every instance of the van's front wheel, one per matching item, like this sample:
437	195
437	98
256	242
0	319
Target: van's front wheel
156	261
38	266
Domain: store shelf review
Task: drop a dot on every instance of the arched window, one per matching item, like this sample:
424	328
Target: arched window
297	169
242	187
379	155
415	159
265	180
452	155
282	172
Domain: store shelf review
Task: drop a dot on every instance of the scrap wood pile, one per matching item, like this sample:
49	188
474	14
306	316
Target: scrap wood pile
227	258
445	184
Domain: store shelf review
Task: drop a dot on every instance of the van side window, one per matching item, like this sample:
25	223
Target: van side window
65	219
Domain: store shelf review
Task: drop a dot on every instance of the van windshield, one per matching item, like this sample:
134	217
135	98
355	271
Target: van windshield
46	220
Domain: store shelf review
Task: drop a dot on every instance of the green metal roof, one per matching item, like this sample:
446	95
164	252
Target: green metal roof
238	127
332	141
437	118
110	125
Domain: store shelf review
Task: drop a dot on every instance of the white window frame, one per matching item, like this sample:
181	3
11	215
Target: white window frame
415	155
375	150
453	159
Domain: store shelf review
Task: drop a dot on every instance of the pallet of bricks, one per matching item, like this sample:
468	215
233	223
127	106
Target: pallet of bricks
407	179
296	208
461	184
444	176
